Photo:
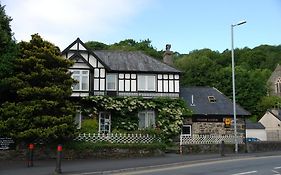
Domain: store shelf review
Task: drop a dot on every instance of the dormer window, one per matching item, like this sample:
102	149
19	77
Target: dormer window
278	85
212	99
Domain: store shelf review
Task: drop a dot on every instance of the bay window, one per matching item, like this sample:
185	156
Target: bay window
82	76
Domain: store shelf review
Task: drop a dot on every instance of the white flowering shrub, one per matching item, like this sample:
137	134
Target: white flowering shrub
170	112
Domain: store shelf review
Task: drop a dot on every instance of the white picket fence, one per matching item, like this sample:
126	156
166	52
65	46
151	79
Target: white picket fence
208	139
117	138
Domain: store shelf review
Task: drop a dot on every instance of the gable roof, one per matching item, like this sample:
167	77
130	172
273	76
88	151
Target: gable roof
276	113
127	61
252	125
202	106
135	61
275	74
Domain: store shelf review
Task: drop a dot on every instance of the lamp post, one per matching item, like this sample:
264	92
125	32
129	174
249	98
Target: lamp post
233	84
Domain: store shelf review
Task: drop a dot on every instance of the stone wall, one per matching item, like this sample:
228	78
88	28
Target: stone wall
110	153
217	128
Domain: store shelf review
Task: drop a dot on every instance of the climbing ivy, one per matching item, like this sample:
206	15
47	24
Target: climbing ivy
170	112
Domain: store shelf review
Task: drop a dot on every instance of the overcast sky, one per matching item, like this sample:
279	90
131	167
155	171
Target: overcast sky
185	24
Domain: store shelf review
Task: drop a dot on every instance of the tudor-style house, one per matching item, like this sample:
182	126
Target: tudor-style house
121	73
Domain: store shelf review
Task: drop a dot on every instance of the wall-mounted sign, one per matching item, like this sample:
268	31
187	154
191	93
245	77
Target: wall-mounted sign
207	119
227	122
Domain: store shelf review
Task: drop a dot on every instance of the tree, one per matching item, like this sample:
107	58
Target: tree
41	87
8	52
128	45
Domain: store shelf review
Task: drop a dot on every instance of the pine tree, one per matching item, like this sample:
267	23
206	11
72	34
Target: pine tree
41	87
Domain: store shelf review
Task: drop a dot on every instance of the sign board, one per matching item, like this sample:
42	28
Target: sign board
5	143
207	119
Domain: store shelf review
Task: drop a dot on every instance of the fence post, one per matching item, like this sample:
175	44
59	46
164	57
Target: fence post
59	157
222	148
30	155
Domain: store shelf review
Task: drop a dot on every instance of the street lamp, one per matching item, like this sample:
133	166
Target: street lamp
233	83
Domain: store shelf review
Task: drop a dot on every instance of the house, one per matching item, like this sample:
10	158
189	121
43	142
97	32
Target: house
212	113
271	120
274	82
255	131
121	73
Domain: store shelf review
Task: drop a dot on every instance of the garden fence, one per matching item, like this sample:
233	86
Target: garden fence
208	139
118	138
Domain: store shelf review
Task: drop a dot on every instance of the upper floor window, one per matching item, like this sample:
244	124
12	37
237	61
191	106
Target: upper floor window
82	76
278	85
111	82
146	83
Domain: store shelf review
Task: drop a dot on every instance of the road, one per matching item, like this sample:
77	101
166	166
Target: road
268	165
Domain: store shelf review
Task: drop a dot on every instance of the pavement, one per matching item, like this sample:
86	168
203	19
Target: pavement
94	166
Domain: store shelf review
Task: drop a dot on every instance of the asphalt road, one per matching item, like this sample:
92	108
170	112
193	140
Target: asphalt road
266	165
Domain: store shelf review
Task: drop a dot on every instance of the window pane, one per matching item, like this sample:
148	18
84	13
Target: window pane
121	85
177	86
133	85
102	84
96	73
151	119
96	84
76	86
76	72
102	73
160	86
151	83
111	82
141	120
171	86
165	85
85	72
141	83
127	85
85	83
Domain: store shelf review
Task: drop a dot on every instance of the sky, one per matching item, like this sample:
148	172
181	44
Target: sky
185	24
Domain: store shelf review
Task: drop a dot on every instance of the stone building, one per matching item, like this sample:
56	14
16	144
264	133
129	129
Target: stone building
274	82
212	113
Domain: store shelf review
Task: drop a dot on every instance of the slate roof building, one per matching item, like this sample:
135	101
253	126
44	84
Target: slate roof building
210	111
255	131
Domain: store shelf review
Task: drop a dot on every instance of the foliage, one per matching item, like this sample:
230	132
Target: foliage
89	126
8	52
253	68
124	109
41	86
268	102
127	45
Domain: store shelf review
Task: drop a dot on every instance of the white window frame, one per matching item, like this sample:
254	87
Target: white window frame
115	82
108	122
148	121
146	83
80	76
190	131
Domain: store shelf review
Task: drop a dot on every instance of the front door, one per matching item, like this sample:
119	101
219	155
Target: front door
104	122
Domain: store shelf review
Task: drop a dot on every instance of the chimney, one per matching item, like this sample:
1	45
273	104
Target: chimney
168	55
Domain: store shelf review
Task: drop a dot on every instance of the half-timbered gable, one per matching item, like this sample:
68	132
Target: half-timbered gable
120	73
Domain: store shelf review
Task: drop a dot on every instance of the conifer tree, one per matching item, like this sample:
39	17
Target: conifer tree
41	87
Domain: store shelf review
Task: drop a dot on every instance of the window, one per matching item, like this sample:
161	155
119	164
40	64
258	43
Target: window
82	76
186	130
212	99
278	85
104	122
146	83
146	119
111	80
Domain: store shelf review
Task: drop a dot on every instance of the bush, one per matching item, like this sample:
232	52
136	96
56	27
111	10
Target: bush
89	126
